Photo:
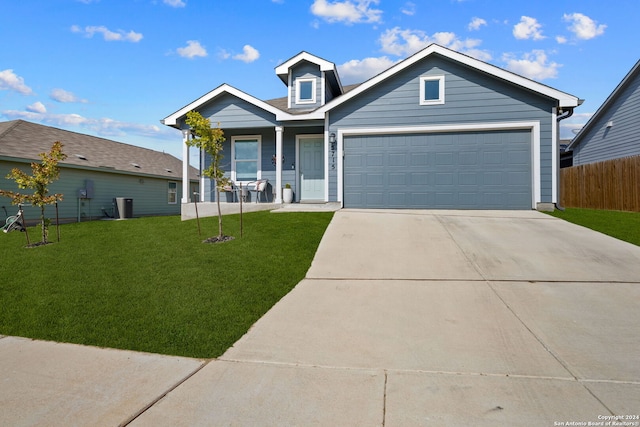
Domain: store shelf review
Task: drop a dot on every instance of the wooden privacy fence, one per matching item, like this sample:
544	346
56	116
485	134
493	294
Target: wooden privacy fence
610	185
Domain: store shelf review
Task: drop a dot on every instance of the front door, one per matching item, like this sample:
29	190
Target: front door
311	169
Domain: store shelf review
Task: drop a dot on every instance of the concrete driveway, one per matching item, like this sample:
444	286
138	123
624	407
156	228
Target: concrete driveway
409	318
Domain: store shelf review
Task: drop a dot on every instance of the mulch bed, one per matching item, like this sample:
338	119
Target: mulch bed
218	239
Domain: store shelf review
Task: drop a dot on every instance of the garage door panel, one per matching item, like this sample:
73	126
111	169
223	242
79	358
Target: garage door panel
466	170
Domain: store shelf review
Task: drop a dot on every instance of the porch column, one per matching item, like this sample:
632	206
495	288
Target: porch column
185	166
278	196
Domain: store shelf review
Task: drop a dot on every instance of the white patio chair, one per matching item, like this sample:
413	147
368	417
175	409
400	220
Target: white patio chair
259	187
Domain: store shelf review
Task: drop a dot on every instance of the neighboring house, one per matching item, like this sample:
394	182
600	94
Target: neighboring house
566	155
438	130
613	131
95	172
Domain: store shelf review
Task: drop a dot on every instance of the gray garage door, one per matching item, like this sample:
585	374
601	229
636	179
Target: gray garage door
470	170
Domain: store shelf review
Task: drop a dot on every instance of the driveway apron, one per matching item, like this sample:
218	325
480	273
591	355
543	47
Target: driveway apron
436	318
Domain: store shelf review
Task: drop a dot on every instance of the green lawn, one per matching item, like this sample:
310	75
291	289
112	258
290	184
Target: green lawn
150	284
621	225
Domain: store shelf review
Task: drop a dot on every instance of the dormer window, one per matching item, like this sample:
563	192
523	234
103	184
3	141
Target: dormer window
306	91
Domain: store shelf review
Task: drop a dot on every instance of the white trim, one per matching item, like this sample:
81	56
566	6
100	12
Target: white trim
299	138
175	192
233	155
172	120
555	153
440	100
326	157
278	184
185	166
534	126
314	90
283	69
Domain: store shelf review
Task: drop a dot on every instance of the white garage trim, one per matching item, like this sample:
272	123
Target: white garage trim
533	126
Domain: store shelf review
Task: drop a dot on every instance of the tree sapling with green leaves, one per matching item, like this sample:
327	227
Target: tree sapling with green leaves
209	140
43	174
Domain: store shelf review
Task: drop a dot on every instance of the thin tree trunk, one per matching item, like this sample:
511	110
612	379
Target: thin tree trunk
44	225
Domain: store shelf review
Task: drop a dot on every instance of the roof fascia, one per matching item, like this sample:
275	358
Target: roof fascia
283	69
172	120
632	74
564	99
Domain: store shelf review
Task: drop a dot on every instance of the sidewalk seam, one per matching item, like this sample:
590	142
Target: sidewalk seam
162	396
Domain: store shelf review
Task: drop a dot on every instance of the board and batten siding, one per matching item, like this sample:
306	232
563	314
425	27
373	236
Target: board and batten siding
470	97
149	194
620	140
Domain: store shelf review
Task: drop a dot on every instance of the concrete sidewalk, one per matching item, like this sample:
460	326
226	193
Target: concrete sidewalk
405	318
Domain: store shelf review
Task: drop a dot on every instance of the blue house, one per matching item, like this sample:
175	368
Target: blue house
438	130
613	131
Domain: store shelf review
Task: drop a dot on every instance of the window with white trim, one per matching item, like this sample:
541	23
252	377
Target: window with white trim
172	194
306	91
431	90
245	158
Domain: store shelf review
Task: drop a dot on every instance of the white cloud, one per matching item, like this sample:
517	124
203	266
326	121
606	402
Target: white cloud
192	49
476	23
11	81
175	3
583	27
249	54
61	95
561	39
533	65
360	70
105	127
348	11
107	34
409	9
528	28
401	42
37	107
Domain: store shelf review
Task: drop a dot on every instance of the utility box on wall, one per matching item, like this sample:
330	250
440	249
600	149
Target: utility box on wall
124	207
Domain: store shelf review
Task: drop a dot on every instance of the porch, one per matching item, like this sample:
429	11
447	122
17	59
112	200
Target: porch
209	209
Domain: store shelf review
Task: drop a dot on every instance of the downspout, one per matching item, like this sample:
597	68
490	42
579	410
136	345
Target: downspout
565	113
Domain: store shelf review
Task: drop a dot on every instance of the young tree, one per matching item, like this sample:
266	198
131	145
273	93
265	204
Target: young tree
210	140
44	173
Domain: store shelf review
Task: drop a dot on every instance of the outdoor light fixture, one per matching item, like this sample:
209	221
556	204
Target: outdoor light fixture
332	141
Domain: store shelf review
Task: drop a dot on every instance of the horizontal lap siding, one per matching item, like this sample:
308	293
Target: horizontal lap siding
470	97
622	139
306	70
150	195
231	112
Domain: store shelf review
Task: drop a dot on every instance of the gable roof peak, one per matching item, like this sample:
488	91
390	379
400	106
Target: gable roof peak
282	70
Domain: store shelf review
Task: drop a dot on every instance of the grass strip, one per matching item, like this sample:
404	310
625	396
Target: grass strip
150	284
621	225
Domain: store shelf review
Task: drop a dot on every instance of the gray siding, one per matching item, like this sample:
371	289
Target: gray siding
306	70
622	139
268	149
470	97
232	113
150	195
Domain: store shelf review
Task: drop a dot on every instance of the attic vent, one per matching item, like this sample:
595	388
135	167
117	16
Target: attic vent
81	156
135	165
169	170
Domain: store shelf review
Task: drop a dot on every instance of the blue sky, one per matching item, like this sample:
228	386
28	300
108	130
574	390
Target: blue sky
115	68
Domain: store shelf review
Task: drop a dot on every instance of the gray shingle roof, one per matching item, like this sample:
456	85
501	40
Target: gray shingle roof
25	140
